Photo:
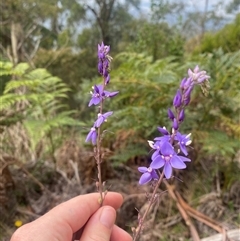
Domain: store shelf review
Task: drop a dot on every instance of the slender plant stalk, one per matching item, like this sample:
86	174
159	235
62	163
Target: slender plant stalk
99	155
151	202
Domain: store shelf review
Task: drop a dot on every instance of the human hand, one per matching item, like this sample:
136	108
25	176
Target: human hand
80	212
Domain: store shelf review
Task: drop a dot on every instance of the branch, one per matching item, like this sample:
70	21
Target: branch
183	212
26	36
96	15
6	52
14	41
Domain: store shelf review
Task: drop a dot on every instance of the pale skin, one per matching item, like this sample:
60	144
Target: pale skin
61	222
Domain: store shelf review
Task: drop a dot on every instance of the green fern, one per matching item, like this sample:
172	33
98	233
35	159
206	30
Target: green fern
43	95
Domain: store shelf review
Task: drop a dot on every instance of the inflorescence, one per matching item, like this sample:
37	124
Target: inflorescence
170	149
99	94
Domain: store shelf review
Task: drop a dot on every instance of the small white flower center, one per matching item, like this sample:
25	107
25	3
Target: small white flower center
149	169
167	158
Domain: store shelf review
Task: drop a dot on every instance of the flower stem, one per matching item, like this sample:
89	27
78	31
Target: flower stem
151	202
98	156
99	161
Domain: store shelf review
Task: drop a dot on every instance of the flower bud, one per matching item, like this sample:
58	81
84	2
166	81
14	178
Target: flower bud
187	100
175	124
181	115
170	114
183	83
163	130
107	80
100	67
177	101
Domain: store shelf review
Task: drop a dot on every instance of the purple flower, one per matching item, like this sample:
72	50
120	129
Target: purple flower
163	130
104	61
183	141
148	175
92	136
181	115
102	118
166	135
175	124
171	116
155	146
101	53
168	159
198	76
110	94
186	83
177	101
98	94
100	67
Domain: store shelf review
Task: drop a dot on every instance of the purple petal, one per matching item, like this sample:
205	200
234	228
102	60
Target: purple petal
100	67
90	102
155	154
177	163
145	178
100	89
188	92
154	175
89	136
94	138
177	99
170	114
158	162
142	169
167	149
94	101
183	83
107	114
111	94
183	149
196	69
181	115
99	121
167	170
190	73
175	124
107	80
163	130
162	139
96	89
184	159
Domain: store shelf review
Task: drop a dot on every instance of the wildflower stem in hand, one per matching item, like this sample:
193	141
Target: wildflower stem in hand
99	94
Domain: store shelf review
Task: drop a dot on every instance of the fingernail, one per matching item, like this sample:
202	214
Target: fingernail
108	217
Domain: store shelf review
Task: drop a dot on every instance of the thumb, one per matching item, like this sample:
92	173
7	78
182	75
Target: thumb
99	226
